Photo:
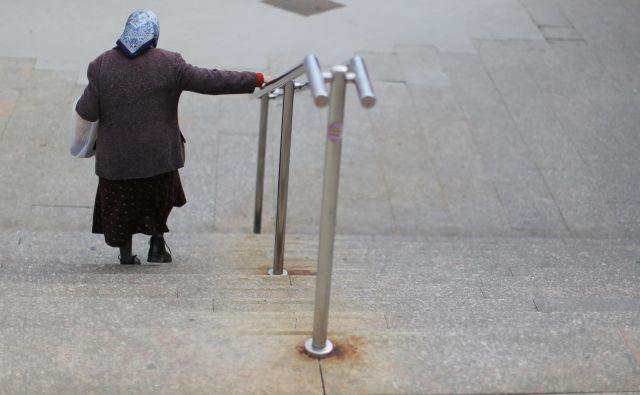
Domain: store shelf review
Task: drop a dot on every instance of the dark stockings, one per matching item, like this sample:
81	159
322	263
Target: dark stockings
125	252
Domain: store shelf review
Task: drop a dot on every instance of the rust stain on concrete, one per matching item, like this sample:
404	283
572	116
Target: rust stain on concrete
635	351
348	349
301	272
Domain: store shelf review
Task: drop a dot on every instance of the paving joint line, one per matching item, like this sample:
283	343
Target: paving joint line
6	125
563	124
324	389
386	183
535	305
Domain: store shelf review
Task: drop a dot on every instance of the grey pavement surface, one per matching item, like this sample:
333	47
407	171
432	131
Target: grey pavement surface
488	219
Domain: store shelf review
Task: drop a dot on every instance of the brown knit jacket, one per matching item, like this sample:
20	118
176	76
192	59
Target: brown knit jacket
136	102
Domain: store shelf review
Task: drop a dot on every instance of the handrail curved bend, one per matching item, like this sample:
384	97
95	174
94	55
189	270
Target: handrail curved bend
311	67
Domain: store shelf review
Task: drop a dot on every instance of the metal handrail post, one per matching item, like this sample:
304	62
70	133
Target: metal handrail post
283	180
262	148
319	346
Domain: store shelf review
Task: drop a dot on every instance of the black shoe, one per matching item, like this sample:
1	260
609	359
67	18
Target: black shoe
157	250
134	261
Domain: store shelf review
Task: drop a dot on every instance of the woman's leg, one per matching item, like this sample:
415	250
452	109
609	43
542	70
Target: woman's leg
126	257
157	251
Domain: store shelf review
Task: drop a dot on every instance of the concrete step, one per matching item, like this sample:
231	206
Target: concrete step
519	289
165	361
90	358
99	311
360	263
182	312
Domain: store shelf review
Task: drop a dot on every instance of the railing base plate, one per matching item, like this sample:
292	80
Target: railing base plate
318	352
284	272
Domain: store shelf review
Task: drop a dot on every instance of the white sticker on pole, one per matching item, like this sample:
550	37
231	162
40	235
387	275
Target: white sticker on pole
334	132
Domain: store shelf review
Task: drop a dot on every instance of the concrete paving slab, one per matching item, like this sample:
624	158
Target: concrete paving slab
384	303
571	278
525	197
97	312
586	137
627	215
459	361
461	173
406	187
15	72
362	215
494	320
627	14
198	215
354	27
546	13
576	291
166	361
587	304
8	101
384	66
421	66
582	207
596	22
235	213
48	94
10	290
346	322
239	114
561	33
136	317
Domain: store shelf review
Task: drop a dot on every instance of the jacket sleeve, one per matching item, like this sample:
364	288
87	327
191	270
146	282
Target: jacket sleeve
88	106
212	81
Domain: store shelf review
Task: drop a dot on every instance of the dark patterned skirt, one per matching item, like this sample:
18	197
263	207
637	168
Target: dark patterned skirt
126	207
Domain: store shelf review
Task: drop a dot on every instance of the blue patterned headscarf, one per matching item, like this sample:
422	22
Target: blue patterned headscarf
140	33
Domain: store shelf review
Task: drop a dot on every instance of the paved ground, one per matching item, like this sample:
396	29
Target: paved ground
488	221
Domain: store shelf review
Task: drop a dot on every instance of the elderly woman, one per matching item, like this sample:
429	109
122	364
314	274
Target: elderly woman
133	92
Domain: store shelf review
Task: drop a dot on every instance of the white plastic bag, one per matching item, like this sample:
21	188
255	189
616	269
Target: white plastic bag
83	135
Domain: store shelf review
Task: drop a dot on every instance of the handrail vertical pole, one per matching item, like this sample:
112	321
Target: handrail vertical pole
283	180
262	148
319	346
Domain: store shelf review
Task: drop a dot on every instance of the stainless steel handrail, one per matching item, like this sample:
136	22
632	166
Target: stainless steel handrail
284	85
354	71
363	83
311	67
280	81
